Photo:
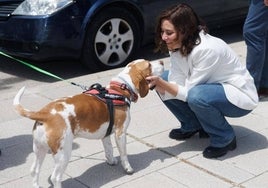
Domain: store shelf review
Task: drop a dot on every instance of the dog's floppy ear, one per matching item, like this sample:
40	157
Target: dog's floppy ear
143	88
138	73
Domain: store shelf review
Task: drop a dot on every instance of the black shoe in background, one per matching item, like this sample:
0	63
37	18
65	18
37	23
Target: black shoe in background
177	134
263	92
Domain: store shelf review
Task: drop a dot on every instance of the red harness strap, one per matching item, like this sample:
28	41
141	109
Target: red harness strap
111	98
117	98
123	86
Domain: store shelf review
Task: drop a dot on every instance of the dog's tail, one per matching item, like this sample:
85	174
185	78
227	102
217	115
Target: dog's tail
24	112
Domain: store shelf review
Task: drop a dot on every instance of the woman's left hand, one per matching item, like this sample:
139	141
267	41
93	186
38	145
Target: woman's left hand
153	82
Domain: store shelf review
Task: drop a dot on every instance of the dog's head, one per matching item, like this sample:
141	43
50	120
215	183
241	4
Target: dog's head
139	69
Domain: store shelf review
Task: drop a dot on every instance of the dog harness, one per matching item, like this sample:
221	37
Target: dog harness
111	98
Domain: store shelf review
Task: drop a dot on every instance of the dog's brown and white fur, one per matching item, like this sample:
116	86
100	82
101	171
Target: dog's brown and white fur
82	115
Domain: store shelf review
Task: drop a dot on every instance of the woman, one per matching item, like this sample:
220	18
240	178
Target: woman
205	83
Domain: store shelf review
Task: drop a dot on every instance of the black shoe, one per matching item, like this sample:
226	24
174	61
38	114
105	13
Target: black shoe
203	134
214	152
177	134
263	92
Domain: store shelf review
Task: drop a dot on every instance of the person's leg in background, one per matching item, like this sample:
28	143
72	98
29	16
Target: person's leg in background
263	89
255	35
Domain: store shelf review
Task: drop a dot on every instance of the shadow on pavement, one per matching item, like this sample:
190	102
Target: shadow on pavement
18	148
15	150
141	161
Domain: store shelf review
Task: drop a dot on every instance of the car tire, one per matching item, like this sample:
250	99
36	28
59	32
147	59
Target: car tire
111	39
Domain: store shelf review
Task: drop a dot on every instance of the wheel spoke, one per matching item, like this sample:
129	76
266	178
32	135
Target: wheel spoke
115	26
104	57
122	54
101	38
128	36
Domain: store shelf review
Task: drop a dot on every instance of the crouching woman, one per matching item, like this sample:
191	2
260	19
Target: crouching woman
206	81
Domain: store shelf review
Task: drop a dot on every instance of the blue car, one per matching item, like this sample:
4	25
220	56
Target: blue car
103	34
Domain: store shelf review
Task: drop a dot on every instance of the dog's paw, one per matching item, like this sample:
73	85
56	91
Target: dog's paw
127	167
129	170
113	161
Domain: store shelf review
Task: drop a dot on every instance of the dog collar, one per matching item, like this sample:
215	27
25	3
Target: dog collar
125	86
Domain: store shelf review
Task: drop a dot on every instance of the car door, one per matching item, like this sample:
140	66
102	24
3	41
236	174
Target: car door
209	10
235	11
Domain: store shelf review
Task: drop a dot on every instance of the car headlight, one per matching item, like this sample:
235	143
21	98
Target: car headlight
40	7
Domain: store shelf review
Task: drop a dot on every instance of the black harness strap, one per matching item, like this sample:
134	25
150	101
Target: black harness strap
102	92
110	106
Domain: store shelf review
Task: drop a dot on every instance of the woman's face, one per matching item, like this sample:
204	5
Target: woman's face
170	36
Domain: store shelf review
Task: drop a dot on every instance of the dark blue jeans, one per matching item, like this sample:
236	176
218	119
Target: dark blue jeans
206	108
255	33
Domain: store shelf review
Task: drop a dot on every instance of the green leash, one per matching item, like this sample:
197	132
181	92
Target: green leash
43	71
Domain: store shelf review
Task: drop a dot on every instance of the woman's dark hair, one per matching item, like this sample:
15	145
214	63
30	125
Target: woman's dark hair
186	22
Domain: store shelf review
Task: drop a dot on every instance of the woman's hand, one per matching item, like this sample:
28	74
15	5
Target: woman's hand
153	82
162	86
265	2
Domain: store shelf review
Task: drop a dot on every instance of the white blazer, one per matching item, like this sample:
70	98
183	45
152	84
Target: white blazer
212	61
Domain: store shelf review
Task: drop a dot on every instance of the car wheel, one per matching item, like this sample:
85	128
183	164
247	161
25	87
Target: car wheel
111	39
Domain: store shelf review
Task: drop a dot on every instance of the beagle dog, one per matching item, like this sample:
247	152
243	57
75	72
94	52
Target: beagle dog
85	115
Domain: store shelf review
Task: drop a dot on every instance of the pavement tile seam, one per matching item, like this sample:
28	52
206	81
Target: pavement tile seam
250	179
76	180
172	179
186	161
242	169
256	114
147	174
197	184
45	96
209	172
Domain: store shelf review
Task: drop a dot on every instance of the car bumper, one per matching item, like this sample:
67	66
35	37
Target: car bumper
44	37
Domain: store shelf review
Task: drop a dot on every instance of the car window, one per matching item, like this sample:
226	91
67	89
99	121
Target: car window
235	9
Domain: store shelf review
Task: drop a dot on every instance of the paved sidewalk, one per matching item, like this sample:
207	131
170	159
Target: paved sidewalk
157	160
